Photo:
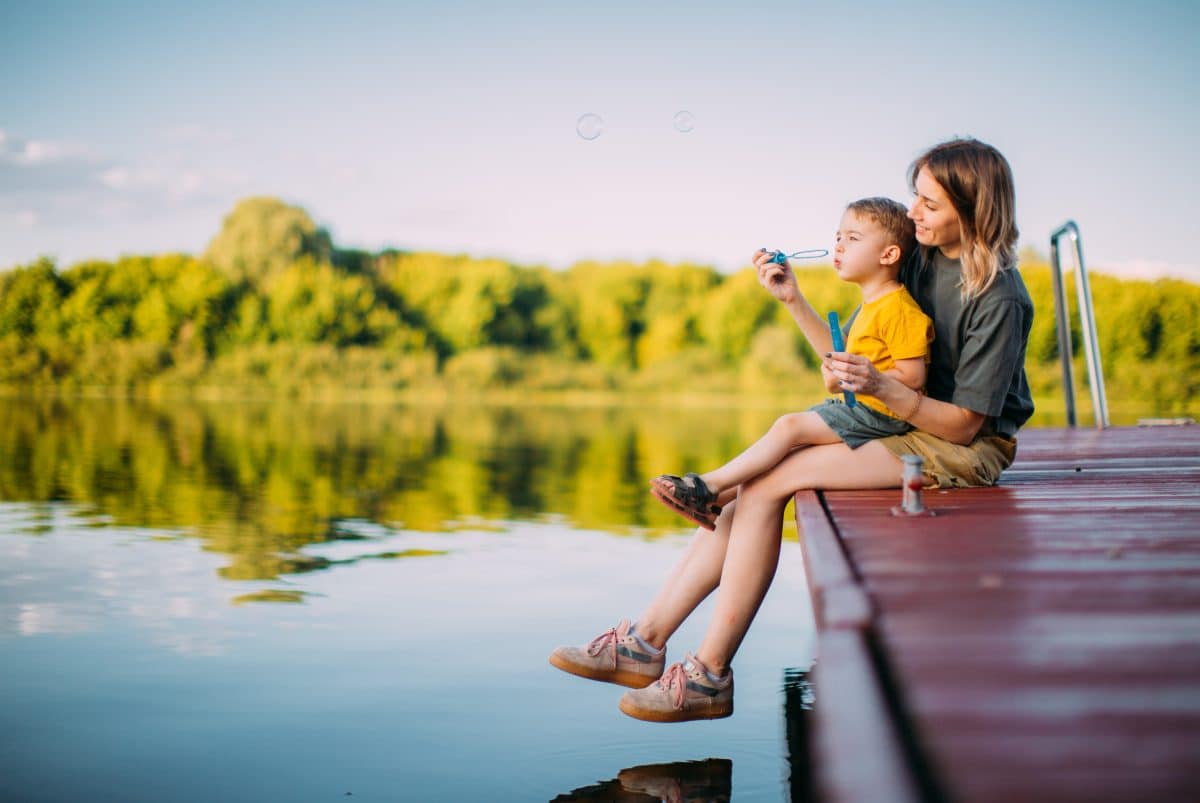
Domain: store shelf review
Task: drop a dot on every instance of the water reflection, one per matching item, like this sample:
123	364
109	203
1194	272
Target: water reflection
798	699
374	557
707	781
261	483
711	779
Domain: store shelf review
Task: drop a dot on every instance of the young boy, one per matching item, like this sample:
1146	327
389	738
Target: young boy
873	241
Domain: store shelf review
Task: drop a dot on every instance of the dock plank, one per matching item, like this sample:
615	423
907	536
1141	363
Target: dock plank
1043	637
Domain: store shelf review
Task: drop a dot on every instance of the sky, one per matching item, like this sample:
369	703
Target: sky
135	128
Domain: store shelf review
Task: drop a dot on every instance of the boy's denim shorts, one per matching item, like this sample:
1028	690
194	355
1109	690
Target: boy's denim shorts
858	424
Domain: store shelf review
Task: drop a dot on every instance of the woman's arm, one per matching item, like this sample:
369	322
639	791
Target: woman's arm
948	421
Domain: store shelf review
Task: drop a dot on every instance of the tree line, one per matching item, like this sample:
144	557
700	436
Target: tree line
274	307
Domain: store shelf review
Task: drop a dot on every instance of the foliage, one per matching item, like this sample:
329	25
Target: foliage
262	236
273	309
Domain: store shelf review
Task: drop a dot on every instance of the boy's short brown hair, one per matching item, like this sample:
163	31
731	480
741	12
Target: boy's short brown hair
892	217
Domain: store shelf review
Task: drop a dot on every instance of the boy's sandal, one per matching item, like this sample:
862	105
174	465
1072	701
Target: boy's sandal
689	497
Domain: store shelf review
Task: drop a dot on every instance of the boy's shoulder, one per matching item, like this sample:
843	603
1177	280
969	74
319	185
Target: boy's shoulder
903	301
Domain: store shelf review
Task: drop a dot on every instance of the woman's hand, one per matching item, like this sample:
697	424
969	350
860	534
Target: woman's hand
854	372
778	279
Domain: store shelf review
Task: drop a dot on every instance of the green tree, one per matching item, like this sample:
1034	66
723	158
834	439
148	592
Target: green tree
29	299
735	311
469	303
609	301
262	236
675	305
316	303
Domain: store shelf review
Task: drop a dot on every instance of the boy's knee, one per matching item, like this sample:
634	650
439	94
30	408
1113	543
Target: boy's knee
789	424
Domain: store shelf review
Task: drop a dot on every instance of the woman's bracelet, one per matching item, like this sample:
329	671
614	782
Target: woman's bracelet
916	406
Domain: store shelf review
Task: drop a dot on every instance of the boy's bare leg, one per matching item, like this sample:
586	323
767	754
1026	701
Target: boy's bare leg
787	433
752	550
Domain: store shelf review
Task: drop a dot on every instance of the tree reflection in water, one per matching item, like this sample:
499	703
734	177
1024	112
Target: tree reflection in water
260	482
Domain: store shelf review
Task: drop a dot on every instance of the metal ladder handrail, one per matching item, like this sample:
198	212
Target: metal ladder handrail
1087	324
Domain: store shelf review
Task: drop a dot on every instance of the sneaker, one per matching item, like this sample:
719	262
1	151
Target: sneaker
614	656
684	692
708	781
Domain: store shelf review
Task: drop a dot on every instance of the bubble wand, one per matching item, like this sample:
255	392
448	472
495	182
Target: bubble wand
835	329
781	257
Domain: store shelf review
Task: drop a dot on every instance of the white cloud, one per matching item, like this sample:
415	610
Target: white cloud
117	178
47	187
40	151
177	183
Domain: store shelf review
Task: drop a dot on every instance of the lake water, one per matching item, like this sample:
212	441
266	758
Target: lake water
312	603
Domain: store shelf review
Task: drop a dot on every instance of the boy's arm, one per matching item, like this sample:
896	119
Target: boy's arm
814	327
910	372
780	282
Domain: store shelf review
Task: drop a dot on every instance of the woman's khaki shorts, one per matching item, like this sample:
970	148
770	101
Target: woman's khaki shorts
948	465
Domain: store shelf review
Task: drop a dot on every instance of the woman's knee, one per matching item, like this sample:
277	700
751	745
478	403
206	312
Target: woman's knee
804	468
770	486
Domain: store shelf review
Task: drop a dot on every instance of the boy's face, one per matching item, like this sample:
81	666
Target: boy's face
861	249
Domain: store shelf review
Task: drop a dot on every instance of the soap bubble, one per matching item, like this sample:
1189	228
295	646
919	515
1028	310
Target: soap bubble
684	121
589	126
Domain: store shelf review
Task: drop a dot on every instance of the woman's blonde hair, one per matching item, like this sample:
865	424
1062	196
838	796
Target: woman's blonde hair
979	183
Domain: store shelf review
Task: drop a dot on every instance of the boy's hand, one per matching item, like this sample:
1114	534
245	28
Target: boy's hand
832	383
777	279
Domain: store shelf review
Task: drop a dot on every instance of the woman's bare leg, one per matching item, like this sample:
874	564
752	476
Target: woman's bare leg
690	582
787	433
752	548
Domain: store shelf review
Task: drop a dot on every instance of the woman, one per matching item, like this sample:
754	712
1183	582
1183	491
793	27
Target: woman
963	276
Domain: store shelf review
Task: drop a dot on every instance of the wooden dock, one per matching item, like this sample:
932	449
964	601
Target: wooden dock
1039	640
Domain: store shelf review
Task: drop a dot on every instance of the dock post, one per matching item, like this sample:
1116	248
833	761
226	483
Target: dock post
911	482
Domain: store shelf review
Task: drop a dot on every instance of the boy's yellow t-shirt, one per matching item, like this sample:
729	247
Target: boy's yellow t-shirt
890	328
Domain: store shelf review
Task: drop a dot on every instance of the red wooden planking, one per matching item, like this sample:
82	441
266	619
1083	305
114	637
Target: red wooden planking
838	601
857	743
1153	442
1044	636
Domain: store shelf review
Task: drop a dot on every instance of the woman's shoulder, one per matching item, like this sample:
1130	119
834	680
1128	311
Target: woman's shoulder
1008	287
1005	300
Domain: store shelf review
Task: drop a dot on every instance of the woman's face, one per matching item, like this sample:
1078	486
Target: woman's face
936	221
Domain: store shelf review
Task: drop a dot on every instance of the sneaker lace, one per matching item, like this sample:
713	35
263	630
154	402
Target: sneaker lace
674	683
606	639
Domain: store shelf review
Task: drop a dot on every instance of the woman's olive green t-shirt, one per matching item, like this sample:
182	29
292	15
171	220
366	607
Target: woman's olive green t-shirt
977	358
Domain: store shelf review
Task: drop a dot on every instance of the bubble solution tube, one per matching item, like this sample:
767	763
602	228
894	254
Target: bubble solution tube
835	329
